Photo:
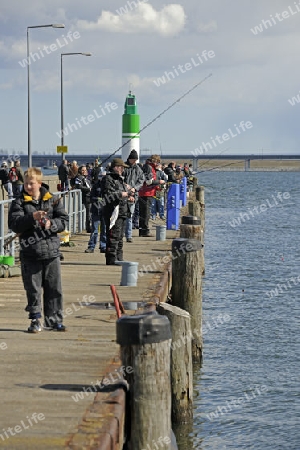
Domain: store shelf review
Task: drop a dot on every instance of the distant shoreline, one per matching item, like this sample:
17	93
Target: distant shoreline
220	165
256	165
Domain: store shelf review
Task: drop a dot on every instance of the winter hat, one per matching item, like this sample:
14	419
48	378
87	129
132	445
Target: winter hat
133	155
118	162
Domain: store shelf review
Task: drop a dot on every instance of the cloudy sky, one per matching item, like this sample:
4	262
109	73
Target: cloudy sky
159	51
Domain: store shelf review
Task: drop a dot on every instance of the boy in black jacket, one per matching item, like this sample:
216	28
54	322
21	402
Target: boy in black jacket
37	216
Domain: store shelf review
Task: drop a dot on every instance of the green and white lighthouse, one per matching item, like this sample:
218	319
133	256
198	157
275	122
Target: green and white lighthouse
130	127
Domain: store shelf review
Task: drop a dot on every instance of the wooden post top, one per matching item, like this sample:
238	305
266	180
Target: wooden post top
143	329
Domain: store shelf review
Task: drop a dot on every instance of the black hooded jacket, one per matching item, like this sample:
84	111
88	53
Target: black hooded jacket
36	242
112	187
134	176
171	174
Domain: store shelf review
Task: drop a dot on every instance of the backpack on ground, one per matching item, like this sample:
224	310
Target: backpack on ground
13	174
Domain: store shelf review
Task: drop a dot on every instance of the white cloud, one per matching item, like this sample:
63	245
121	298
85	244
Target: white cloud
169	21
207	27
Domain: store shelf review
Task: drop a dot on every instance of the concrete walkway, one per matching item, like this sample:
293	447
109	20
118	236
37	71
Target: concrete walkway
44	378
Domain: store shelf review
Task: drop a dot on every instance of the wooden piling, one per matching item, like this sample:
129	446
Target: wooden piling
195	183
194	208
187	286
181	362
145	351
197	207
201	200
200	194
191	228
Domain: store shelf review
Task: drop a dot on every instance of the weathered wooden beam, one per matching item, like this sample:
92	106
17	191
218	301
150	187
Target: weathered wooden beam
187	286
181	362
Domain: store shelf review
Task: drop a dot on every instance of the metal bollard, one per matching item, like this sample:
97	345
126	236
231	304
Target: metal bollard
129	273
161	231
191	228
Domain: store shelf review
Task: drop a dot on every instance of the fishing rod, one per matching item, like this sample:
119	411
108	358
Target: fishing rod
159	115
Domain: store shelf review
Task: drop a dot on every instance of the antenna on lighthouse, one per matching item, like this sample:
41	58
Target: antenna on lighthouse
130	127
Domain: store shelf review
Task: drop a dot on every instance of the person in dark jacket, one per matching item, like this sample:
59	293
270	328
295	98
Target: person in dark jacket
37	216
158	203
115	210
4	178
170	171
97	218
18	184
147	193
63	175
81	182
134	179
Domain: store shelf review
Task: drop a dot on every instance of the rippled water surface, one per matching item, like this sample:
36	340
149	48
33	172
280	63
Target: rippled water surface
247	392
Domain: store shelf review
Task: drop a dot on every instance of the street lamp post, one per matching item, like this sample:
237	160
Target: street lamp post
52	25
62	97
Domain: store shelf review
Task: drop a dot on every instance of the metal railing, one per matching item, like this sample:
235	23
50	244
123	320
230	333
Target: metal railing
5	234
72	202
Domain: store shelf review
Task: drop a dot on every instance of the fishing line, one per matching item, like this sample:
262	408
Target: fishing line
223	151
218	167
159	115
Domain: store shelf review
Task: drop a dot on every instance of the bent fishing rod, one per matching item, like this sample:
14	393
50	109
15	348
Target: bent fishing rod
158	116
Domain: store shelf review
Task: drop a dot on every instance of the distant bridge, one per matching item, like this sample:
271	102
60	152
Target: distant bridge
246	158
227	156
42	160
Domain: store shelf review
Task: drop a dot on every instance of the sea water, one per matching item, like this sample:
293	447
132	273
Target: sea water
247	391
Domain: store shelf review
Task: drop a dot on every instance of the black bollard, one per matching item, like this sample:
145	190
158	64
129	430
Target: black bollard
191	228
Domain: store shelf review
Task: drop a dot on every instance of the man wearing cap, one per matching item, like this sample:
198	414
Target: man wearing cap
115	210
4	178
178	174
134	179
147	193
188	175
